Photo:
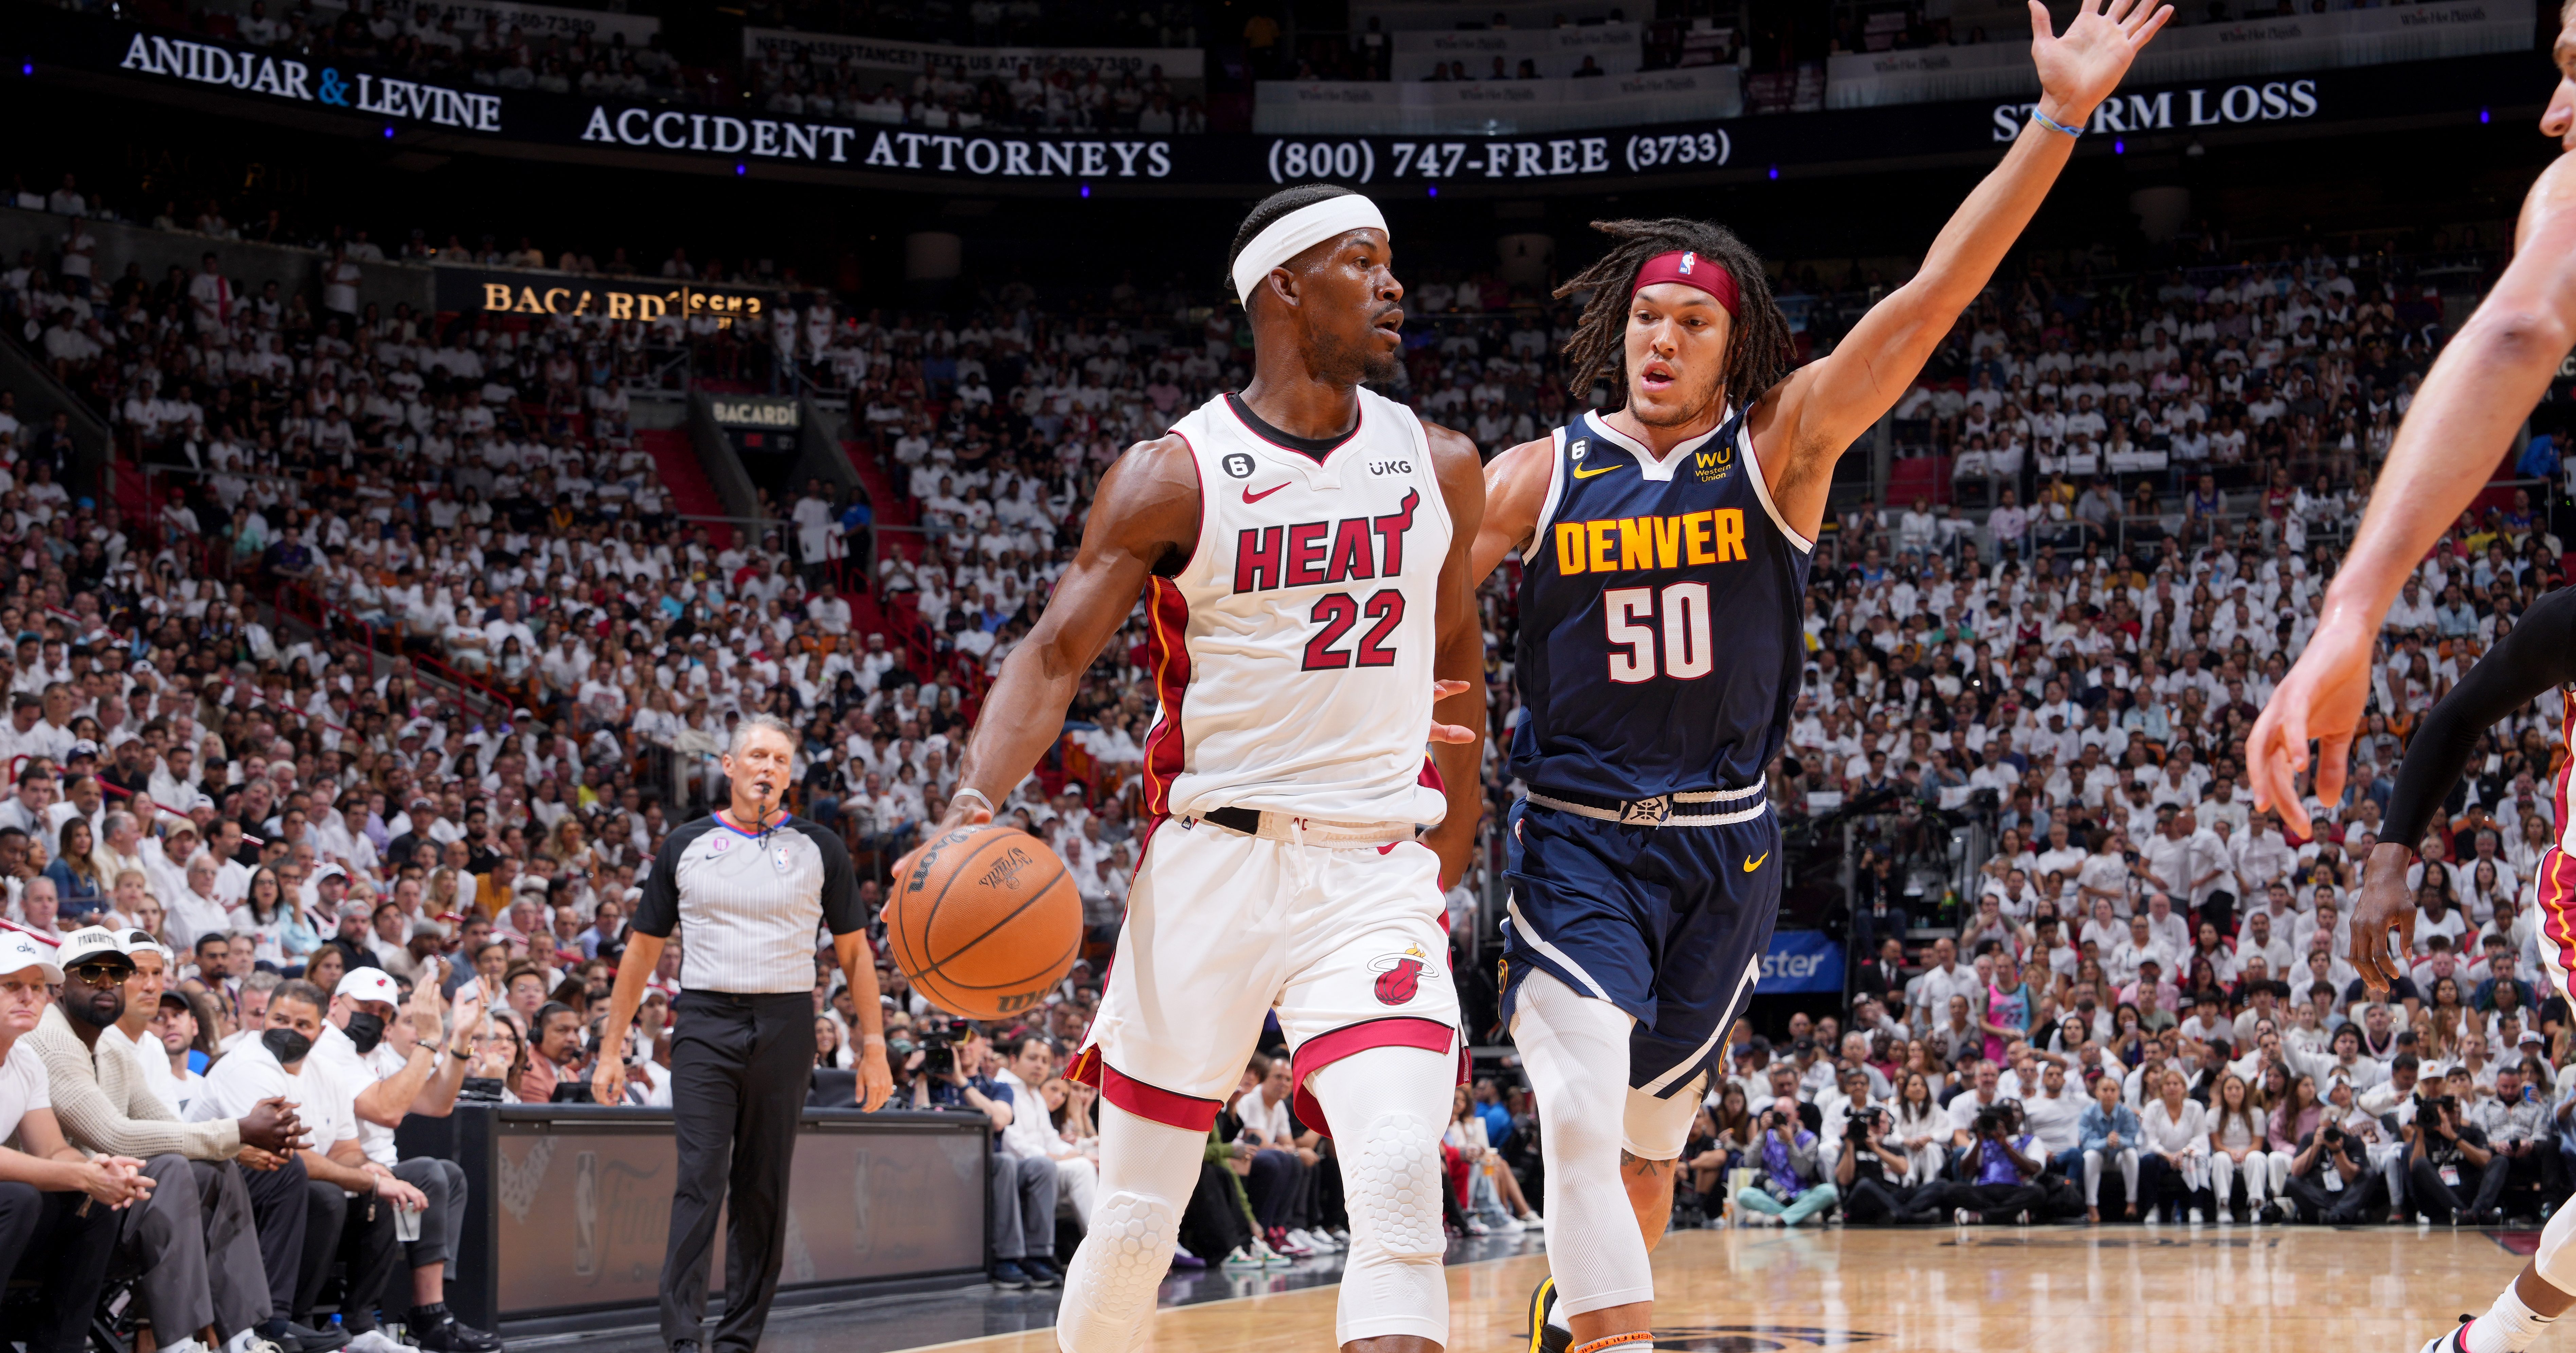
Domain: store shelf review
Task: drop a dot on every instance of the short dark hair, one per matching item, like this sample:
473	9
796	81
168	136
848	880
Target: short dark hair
1269	210
300	990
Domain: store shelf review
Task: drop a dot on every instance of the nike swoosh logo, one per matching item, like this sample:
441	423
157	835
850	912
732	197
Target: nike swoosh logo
1587	474
1250	497
1755	862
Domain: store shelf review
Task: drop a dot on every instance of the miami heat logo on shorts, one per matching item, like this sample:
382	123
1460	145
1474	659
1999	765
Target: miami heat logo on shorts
1399	976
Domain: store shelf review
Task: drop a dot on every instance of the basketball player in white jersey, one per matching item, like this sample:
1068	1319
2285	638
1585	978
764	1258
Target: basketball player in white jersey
1300	550
1640	902
2462	421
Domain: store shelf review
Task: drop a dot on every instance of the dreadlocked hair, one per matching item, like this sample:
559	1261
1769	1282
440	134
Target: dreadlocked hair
1270	209
1759	351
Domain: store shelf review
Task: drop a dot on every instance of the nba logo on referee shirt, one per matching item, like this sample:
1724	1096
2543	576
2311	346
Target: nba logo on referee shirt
778	860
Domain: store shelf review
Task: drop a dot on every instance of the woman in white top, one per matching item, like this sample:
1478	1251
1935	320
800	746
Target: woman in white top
2237	1149
2173	1164
1922	1129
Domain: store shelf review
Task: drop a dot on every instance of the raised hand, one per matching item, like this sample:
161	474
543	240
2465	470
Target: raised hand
2081	66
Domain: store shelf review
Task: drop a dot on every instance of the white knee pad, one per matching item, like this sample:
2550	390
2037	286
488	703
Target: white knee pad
2555	1260
1658	1129
1110	1288
1391	1181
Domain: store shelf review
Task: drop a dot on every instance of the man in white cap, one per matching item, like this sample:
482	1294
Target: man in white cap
349	1201
204	1255
399	1067
51	1224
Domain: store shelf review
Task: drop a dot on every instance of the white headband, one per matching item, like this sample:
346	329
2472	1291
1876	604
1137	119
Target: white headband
1299	231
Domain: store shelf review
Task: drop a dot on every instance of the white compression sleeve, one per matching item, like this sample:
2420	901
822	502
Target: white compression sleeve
1147	1172
1575	1049
1388	1107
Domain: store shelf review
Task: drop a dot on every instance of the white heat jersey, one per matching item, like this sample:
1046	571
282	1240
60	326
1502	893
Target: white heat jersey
1292	655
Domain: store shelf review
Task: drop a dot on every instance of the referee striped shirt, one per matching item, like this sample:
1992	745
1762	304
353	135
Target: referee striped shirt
749	904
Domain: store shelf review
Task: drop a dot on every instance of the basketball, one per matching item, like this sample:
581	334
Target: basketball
985	922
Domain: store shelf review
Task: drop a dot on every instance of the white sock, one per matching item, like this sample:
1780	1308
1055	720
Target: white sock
1556	1317
2507	1327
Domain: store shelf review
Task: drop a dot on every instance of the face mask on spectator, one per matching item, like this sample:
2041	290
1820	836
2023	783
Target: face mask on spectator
365	1031
286	1045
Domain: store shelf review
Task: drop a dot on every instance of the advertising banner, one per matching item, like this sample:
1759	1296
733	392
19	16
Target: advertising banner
527	291
1801	961
1501	154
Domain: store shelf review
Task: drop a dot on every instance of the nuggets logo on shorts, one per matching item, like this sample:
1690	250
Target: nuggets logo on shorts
1399	976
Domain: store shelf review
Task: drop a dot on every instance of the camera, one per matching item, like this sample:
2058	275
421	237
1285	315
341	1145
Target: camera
938	1052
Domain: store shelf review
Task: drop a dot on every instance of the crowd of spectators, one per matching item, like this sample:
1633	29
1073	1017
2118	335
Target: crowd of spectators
1037	94
408	661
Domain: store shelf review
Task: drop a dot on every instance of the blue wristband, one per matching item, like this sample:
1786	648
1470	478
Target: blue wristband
2053	124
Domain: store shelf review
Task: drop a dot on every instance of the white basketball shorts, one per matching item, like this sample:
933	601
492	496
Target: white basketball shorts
1344	935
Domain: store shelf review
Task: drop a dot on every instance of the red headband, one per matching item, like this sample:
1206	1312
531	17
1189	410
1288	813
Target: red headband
1691	270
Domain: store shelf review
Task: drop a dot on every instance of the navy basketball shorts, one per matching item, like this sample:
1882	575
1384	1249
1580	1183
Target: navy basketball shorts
1667	921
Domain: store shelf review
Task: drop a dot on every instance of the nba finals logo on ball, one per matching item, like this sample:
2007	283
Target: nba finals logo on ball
988	925
1005	872
1399	976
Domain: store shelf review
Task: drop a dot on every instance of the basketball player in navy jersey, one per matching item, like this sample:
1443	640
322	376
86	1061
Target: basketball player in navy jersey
1664	548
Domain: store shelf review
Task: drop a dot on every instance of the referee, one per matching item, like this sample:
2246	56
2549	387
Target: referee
750	884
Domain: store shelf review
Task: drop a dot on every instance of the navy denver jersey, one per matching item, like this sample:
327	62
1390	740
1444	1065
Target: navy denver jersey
1660	618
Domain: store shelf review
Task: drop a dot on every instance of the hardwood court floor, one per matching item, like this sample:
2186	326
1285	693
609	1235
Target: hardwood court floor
1989	1290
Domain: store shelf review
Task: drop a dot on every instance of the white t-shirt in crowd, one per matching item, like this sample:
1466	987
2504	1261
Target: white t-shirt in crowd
155	1063
22	1087
356	1071
250	1073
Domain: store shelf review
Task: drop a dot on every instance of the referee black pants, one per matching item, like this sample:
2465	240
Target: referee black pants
740	1066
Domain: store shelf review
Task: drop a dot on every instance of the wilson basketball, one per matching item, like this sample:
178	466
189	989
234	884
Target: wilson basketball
985	922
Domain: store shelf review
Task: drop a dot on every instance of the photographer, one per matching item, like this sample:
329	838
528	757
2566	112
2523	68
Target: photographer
2004	1164
1869	1175
959	1076
2516	1124
2449	1160
2330	1178
1790	1188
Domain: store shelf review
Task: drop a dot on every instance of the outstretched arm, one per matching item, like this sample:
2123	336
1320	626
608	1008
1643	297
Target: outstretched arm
2479	390
1830	402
